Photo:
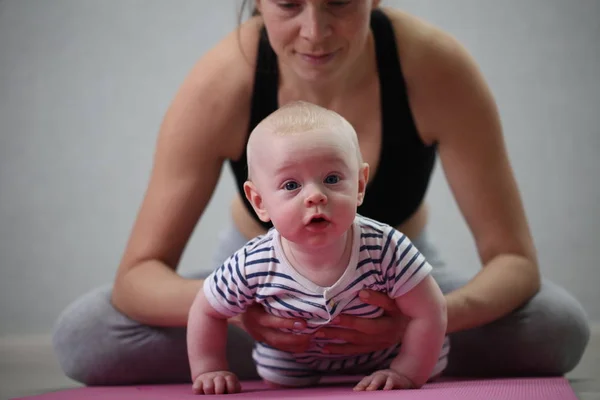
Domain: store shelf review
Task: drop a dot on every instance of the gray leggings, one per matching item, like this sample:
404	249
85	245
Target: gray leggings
97	345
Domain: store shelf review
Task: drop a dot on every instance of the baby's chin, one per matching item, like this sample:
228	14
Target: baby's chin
318	241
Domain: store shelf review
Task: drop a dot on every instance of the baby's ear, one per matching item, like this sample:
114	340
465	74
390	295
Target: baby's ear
255	199
363	179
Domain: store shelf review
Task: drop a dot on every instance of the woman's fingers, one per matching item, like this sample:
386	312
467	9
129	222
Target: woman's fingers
286	341
347	349
369	326
358	337
267	328
364	335
256	315
379	299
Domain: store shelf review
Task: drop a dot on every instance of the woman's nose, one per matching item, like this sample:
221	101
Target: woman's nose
314	24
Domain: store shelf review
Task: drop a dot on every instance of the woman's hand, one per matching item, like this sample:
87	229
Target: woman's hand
264	327
364	335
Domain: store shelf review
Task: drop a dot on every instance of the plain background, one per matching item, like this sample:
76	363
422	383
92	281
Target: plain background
84	85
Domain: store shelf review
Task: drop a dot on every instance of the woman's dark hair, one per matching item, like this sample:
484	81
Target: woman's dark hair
249	7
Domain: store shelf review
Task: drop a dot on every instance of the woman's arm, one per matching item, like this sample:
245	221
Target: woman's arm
453	107
212	104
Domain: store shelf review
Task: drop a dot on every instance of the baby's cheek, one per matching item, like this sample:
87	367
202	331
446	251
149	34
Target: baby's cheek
346	208
281	217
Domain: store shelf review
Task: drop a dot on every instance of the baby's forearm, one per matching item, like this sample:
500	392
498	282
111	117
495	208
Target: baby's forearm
420	349
206	338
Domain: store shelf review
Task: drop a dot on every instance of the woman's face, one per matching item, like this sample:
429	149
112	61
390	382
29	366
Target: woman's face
316	39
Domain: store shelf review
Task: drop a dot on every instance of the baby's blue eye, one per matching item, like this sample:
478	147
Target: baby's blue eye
332	179
291	186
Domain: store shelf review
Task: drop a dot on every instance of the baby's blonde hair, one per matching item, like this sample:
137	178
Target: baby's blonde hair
300	117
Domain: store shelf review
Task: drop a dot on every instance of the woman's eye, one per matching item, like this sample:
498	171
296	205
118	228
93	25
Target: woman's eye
338	3
287	5
291	186
332	179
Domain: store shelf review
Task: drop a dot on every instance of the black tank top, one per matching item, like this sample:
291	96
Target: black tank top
395	192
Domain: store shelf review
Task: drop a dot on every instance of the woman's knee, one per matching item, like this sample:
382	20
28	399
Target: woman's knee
95	344
562	326
80	335
545	337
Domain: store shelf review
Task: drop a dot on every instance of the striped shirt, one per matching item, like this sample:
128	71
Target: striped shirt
382	259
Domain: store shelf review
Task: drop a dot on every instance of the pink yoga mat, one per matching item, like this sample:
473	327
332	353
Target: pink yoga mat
496	389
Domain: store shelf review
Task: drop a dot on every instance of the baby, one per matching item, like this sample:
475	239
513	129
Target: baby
306	176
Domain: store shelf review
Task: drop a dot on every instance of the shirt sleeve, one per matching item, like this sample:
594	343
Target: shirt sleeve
226	288
404	266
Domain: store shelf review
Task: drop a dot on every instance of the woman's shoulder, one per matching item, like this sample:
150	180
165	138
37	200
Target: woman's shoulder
218	89
230	63
440	74
423	47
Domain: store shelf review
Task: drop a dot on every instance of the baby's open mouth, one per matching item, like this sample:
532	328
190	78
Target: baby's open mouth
318	222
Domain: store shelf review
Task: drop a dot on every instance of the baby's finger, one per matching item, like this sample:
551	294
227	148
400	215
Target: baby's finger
376	382
208	386
197	387
389	383
220	384
362	385
233	384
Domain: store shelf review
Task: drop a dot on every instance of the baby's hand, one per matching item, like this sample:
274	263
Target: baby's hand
218	382
386	379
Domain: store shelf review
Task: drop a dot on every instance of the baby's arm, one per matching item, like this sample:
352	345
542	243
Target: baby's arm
421	347
206	344
425	305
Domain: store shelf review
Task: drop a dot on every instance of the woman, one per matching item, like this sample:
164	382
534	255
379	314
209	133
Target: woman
412	93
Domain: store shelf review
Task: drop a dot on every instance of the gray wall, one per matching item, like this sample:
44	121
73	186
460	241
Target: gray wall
84	86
